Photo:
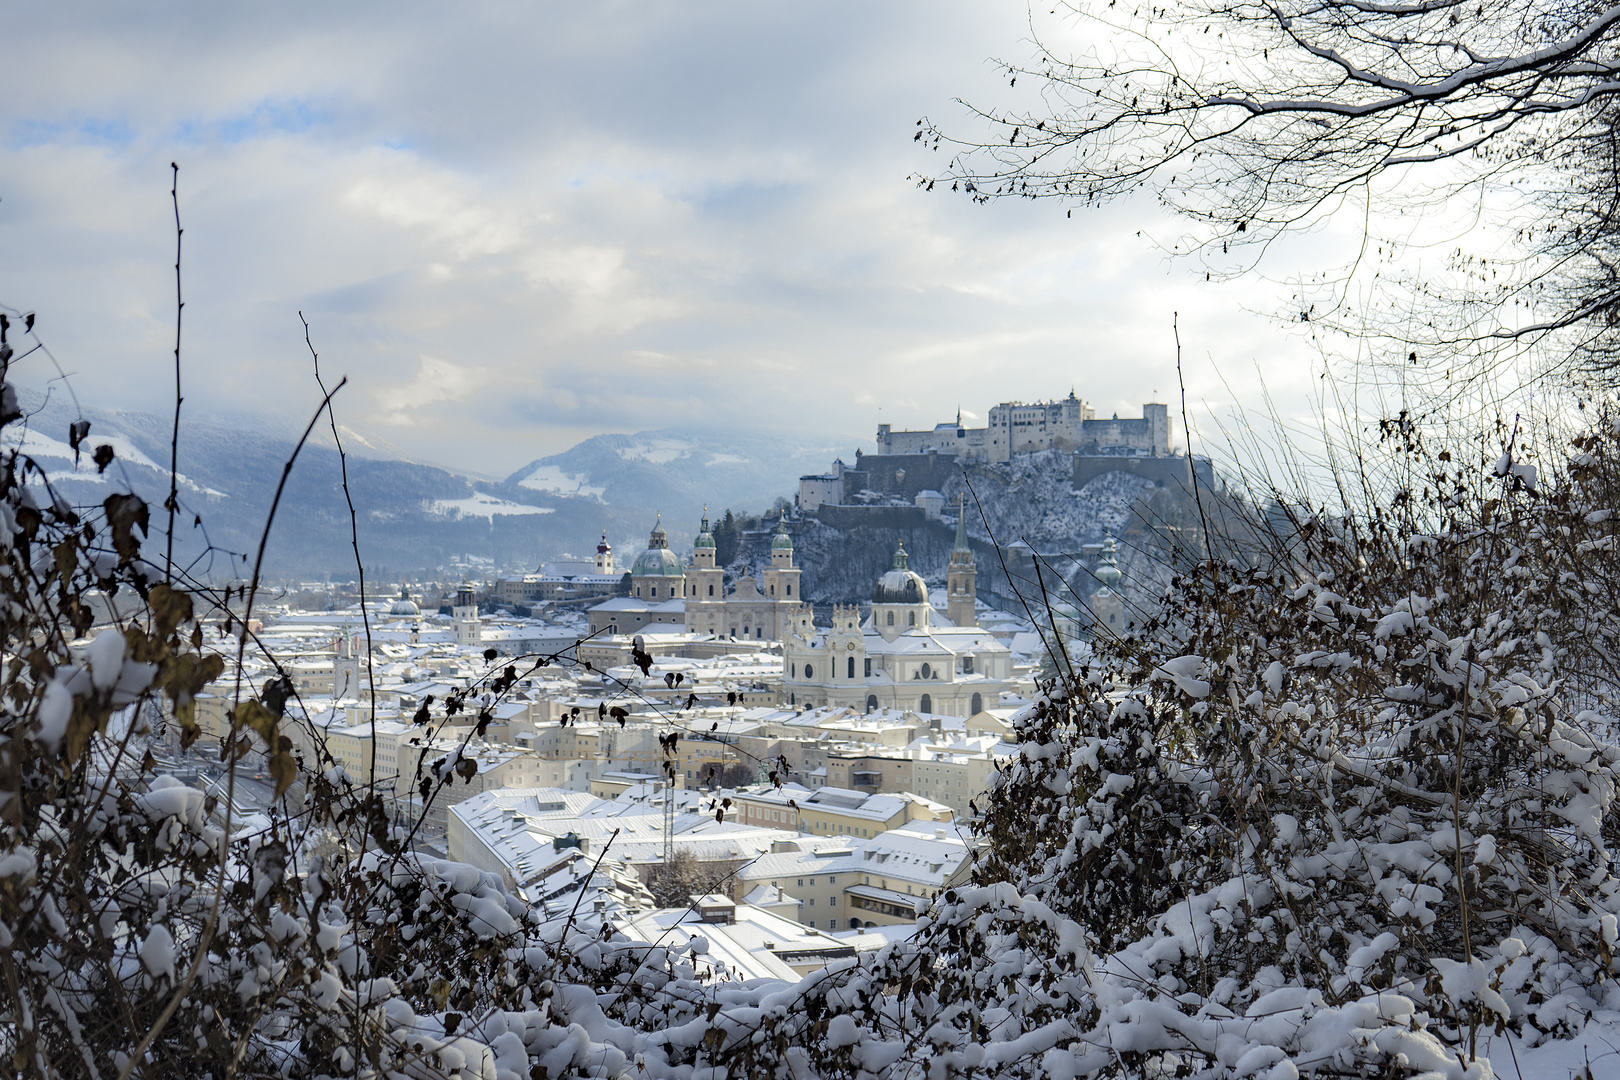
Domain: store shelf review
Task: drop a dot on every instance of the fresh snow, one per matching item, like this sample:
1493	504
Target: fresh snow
488	506
550	478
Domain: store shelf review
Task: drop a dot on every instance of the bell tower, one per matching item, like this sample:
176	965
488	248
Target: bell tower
961	575
464	615
1107	605
780	582
705	585
846	648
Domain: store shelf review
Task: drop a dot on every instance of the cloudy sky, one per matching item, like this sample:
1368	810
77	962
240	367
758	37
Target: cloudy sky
517	225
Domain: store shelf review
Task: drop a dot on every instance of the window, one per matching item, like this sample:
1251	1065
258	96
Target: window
927	704
911	618
832	924
891	615
711	590
852	667
790	589
812	881
809	672
926	671
801	883
978	704
832	879
811	903
812	924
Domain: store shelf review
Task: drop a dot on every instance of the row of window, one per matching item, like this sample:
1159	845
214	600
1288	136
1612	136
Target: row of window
882	907
787	588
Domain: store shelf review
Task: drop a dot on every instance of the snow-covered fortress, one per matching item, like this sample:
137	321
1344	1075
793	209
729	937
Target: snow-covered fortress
1018	428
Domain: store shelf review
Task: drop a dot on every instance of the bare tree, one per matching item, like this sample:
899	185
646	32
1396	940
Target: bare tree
1253	119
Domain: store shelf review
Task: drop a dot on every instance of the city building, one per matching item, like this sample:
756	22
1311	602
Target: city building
695	597
906	655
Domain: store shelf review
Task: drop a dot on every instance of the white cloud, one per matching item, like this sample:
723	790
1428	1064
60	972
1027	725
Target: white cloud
561	221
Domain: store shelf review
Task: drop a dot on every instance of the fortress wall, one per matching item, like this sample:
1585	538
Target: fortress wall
900	518
1170	472
907	474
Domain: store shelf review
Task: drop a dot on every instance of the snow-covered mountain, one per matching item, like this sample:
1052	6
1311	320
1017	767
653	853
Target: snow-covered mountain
412	516
677	473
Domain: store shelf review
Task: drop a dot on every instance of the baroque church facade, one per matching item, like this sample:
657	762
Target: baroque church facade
905	655
694	597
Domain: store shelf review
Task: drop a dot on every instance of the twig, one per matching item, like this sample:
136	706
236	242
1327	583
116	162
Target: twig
1192	466
174	439
354	541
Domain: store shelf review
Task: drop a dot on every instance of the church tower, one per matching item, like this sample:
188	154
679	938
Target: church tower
846	649
961	575
705	585
604	555
1107	605
781	580
464	614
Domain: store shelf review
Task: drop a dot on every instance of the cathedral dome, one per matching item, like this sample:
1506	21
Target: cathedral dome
705	539
404	605
657	560
782	541
900	585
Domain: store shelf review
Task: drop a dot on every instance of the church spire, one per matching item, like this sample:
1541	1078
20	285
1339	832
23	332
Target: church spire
961	526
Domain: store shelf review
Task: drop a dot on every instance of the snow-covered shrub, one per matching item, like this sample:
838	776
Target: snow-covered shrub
1360	780
145	929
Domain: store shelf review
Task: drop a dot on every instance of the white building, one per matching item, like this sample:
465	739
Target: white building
1016	427
905	655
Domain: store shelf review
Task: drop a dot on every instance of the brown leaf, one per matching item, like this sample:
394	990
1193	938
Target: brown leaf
170	608
124	513
254	716
283	770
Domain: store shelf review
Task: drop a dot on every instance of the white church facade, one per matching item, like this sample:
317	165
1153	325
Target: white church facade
906	655
695	598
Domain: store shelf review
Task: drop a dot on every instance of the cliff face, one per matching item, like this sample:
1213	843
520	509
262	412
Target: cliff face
1021	507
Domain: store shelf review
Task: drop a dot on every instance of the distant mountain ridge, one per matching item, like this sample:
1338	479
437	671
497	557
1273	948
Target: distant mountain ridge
412	517
677	473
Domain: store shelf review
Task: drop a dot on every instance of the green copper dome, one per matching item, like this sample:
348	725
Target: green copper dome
782	541
657	560
1108	572
705	539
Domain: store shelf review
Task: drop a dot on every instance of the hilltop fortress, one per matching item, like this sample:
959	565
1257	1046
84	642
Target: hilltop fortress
918	465
1019	428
